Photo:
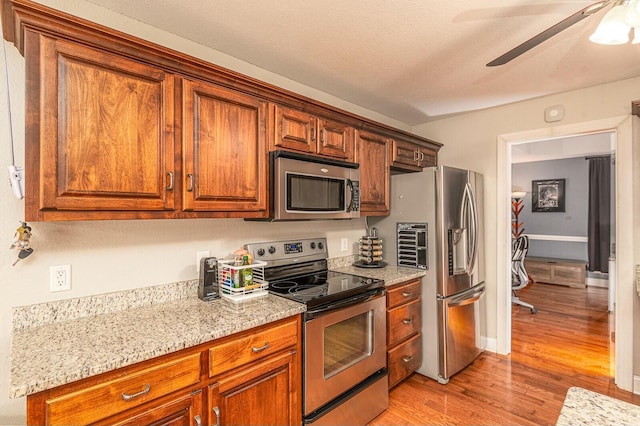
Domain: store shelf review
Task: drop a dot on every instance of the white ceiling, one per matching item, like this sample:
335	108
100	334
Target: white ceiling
411	60
586	145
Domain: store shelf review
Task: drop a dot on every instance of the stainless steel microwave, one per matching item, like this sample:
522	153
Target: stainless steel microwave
305	187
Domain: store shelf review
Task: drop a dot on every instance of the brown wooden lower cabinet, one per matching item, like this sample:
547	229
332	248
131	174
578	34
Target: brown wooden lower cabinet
259	382
183	410
404	325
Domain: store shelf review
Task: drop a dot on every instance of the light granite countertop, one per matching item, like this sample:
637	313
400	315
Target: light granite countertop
60	342
390	274
586	408
63	351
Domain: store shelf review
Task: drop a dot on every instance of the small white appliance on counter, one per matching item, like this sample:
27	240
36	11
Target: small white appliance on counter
436	224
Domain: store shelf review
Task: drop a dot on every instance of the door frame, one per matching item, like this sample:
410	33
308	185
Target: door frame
621	127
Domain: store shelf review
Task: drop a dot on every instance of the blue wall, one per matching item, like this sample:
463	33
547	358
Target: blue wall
571	222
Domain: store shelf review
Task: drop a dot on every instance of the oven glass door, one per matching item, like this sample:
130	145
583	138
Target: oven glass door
342	348
309	193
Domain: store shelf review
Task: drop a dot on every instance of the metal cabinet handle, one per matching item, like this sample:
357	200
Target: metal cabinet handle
407	358
216	411
422	156
313	133
261	348
407	320
198	420
322	135
190	187
416	155
170	187
407	293
127	397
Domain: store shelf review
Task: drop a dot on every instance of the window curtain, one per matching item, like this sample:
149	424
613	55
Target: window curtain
599	220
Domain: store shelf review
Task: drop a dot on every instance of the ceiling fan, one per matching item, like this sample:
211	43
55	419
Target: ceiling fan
549	32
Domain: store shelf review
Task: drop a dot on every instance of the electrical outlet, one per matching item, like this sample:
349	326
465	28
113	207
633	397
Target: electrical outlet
344	244
59	278
200	255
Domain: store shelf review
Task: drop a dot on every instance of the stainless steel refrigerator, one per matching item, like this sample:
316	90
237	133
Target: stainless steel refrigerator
441	209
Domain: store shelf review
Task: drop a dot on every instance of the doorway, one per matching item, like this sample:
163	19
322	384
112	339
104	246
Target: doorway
620	128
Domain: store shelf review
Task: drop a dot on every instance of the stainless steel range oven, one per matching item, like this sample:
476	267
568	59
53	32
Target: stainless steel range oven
344	331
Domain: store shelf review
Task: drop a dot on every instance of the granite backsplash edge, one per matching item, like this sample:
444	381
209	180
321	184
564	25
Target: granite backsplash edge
40	314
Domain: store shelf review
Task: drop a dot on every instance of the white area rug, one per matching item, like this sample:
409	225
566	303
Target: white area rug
583	407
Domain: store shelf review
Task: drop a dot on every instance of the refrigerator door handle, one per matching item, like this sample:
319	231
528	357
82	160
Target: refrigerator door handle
466	299
470	216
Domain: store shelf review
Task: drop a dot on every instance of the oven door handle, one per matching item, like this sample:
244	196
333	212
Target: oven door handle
360	298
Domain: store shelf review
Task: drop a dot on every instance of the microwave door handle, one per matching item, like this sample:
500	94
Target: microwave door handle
350	186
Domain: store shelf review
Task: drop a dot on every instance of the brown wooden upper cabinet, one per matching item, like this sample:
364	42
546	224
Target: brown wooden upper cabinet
121	128
106	150
105	139
302	132
373	153
224	150
411	156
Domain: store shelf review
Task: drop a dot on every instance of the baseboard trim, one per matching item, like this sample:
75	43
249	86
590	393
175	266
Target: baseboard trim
597	282
492	345
636	384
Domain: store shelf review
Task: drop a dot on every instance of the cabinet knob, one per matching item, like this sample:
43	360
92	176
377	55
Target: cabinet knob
129	397
407	320
190	187
216	411
170	187
261	348
407	293
407	358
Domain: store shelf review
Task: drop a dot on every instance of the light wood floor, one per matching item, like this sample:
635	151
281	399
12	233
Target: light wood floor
567	343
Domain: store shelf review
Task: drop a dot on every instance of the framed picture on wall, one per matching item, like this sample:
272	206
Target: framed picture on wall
547	195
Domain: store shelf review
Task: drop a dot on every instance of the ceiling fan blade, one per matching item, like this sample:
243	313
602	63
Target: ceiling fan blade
548	33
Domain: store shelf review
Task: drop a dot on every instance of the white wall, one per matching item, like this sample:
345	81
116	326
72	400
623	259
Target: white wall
107	256
471	141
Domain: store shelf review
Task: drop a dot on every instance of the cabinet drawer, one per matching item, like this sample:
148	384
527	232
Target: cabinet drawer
106	399
245	349
569	274
539	271
404	359
403	321
403	293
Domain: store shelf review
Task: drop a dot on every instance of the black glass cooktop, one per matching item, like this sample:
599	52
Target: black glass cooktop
324	287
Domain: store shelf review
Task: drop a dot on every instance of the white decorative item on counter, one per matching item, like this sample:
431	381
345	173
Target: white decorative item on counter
232	286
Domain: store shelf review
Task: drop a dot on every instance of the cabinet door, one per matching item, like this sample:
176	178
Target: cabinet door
404	359
405	155
266	393
427	157
224	151
336	140
295	130
106	136
184	410
373	155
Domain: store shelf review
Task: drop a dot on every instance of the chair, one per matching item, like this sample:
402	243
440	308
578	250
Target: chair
519	277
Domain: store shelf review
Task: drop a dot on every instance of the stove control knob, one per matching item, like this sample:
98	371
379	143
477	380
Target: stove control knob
313	245
260	252
320	246
272	250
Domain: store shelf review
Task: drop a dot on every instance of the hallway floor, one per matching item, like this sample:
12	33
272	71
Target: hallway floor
567	343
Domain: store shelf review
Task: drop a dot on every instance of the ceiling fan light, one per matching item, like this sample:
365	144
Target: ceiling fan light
613	29
632	17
